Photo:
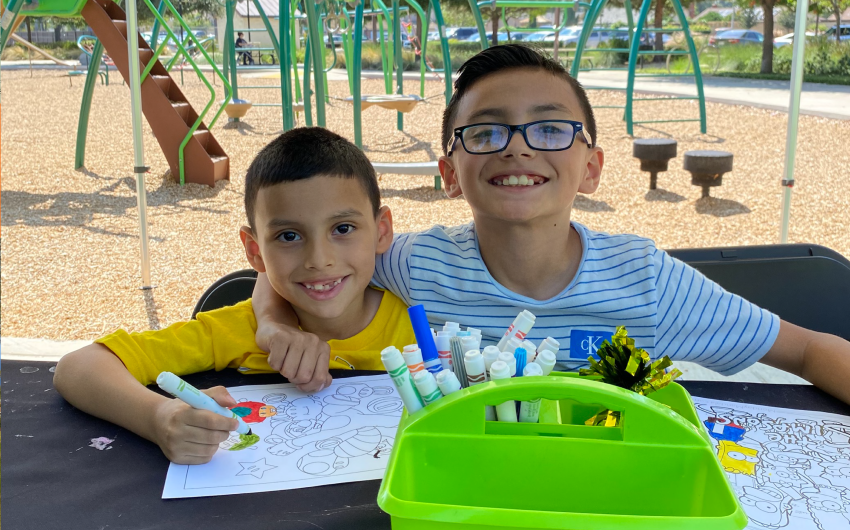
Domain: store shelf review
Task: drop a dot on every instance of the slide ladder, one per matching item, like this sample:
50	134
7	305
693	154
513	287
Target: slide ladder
167	110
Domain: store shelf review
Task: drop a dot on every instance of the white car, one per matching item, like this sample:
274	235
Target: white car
844	35
785	40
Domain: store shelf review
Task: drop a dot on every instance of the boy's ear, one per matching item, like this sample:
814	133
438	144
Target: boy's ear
450	180
593	171
252	249
385	229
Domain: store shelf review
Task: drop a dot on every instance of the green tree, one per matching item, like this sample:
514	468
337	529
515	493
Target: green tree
836	6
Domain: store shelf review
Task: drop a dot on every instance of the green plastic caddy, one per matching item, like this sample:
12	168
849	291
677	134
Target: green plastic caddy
657	470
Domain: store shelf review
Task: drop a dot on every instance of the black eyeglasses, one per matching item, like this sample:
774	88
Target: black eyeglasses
544	135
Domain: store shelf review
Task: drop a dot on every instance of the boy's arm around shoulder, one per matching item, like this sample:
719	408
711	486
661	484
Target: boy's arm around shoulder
820	358
94	380
301	357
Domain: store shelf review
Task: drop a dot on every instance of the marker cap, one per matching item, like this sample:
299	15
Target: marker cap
546	360
500	370
448	382
532	369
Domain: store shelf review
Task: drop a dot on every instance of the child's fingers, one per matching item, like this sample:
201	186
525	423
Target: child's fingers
220	395
290	366
276	357
210	421
193	453
201	436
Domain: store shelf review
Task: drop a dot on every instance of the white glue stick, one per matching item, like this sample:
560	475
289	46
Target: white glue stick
508	359
444	349
447	381
413	358
546	360
490	354
403	381
530	350
505	411
426	384
522	324
529	411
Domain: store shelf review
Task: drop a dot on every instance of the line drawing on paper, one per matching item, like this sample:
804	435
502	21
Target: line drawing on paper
789	468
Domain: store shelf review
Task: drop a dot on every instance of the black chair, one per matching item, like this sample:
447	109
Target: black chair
807	285
227	290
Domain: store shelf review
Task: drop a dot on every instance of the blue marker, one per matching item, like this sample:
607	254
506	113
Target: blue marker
424	339
197	399
520	356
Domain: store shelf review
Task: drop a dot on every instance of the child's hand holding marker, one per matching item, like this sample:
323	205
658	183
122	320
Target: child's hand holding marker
189	435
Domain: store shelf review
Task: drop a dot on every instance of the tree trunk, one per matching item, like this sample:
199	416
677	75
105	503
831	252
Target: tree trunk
57	33
494	19
418	28
817	21
767	45
659	22
374	28
29	29
837	21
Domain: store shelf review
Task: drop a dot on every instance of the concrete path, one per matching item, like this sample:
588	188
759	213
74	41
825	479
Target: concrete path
828	101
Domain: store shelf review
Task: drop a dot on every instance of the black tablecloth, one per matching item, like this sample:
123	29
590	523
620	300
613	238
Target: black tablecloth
54	479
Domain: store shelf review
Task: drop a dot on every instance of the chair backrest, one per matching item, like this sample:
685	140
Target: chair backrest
227	290
807	285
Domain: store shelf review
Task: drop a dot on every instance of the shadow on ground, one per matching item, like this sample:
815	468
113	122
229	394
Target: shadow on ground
586	204
660	195
720	207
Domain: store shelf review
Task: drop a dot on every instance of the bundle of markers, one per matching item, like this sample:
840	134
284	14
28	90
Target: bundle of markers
446	361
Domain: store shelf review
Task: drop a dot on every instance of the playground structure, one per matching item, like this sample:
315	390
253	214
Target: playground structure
335	17
635	31
186	141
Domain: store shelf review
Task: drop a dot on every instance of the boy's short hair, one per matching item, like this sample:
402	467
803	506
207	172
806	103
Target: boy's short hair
503	57
308	152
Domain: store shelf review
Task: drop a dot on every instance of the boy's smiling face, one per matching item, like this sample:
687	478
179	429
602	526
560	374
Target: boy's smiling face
514	97
317	239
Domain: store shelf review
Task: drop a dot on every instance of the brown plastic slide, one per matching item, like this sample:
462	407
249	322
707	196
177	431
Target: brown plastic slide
166	108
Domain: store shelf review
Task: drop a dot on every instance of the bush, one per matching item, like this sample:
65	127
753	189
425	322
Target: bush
700	28
823	58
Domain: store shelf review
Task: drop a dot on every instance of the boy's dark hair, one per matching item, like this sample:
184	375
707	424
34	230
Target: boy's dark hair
308	152
505	57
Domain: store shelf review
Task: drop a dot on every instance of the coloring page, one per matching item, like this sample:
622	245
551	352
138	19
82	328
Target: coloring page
344	433
789	468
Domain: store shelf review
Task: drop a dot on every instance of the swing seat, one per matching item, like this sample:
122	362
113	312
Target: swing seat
401	103
238	108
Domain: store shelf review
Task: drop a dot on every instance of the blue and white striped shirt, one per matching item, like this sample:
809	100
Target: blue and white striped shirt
667	306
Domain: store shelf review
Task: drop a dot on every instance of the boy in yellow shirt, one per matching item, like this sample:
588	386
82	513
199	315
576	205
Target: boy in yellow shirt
315	229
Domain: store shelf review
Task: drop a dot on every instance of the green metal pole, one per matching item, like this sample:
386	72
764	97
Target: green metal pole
85	106
633	56
479	22
356	68
308	94
293	46
703	126
586	29
385	62
444	44
284	57
399	60
155	31
230	5
13	7
316	44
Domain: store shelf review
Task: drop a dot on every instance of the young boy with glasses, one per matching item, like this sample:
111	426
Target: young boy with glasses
519	138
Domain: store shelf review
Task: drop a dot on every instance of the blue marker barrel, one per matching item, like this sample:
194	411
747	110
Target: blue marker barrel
422	330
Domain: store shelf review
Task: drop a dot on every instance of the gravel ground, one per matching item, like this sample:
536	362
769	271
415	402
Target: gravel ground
70	246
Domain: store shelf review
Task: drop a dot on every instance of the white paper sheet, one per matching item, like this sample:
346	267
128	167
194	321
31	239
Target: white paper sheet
789	468
344	433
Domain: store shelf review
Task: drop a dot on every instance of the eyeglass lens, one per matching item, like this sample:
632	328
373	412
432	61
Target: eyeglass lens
544	135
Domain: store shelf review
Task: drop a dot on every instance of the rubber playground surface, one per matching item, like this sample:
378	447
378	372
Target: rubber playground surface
70	249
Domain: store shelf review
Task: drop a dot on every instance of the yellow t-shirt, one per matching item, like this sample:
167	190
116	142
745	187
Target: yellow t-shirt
224	338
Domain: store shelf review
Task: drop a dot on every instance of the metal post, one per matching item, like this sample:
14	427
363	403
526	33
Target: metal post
284	59
138	141
399	60
356	67
797	66
315	32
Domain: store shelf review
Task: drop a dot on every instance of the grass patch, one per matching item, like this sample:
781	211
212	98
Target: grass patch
808	78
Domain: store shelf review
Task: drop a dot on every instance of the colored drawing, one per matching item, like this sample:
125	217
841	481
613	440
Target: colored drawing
789	468
345	433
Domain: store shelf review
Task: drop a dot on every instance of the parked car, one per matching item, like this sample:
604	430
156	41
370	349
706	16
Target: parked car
537	36
844	35
737	36
476	37
785	40
463	33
